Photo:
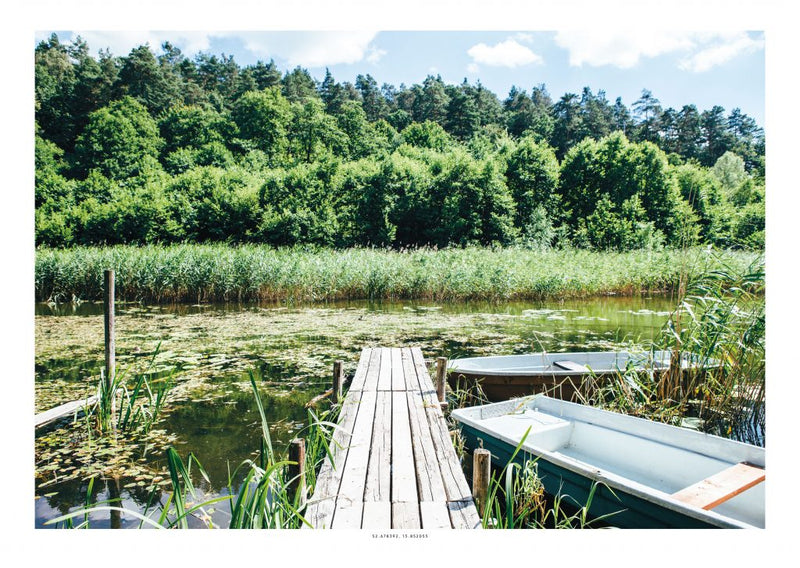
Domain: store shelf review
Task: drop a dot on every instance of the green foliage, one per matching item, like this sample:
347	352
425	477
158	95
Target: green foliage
701	190
314	134
634	184
469	202
749	226
427	134
619	228
53	229
51	187
129	129
409	180
263	118
352	121
144	79
193	127
532	176
729	170
297	206
120	141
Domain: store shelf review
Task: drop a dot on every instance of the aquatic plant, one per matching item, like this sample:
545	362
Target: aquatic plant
516	499
124	405
718	328
260	492
259	273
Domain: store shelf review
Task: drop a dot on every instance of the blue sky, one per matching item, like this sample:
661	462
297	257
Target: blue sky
724	68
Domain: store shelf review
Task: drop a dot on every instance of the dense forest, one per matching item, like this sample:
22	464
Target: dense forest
160	148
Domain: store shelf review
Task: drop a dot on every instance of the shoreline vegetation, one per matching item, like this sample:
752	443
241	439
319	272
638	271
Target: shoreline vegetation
194	273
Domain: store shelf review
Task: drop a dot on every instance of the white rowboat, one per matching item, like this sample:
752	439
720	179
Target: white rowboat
649	474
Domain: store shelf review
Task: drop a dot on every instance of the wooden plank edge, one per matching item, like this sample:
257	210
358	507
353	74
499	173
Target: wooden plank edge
721	487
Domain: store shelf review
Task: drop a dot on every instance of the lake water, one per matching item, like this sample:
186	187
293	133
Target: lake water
290	350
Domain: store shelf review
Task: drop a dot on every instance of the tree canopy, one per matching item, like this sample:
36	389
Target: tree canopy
156	147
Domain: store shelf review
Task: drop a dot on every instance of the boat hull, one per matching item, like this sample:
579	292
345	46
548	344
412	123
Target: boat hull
574	388
513	376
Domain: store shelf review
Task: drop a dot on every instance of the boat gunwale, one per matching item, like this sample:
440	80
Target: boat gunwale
547	369
606	477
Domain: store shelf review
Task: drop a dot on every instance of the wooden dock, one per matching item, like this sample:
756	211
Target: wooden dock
76	407
394	465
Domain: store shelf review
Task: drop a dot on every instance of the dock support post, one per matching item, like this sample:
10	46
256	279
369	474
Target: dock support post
110	347
481	471
338	379
297	471
441	378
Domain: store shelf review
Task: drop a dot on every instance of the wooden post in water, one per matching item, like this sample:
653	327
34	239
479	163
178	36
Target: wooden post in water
481	471
338	379
108	309
441	378
297	471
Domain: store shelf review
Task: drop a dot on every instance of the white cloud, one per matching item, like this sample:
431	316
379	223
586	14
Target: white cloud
313	49
473	68
598	48
374	55
306	49
524	37
701	51
508	53
721	52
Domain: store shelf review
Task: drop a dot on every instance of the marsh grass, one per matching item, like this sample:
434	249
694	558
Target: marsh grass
256	273
259	492
719	326
130	405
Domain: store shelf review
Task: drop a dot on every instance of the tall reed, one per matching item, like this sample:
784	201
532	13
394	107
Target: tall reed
256	273
133	405
717	372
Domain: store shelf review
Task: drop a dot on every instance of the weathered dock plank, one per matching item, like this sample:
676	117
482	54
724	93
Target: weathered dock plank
379	471
385	374
429	474
377	515
74	408
435	515
393	466
463	514
404	479
351	489
398	377
405	515
361	371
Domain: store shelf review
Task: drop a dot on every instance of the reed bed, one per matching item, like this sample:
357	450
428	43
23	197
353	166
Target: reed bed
719	324
254	273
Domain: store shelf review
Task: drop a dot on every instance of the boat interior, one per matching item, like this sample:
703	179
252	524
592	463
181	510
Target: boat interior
701	470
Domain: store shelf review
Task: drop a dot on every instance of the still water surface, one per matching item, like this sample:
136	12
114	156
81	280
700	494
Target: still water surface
290	350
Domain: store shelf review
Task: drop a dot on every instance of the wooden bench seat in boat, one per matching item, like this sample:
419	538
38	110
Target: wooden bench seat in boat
722	486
